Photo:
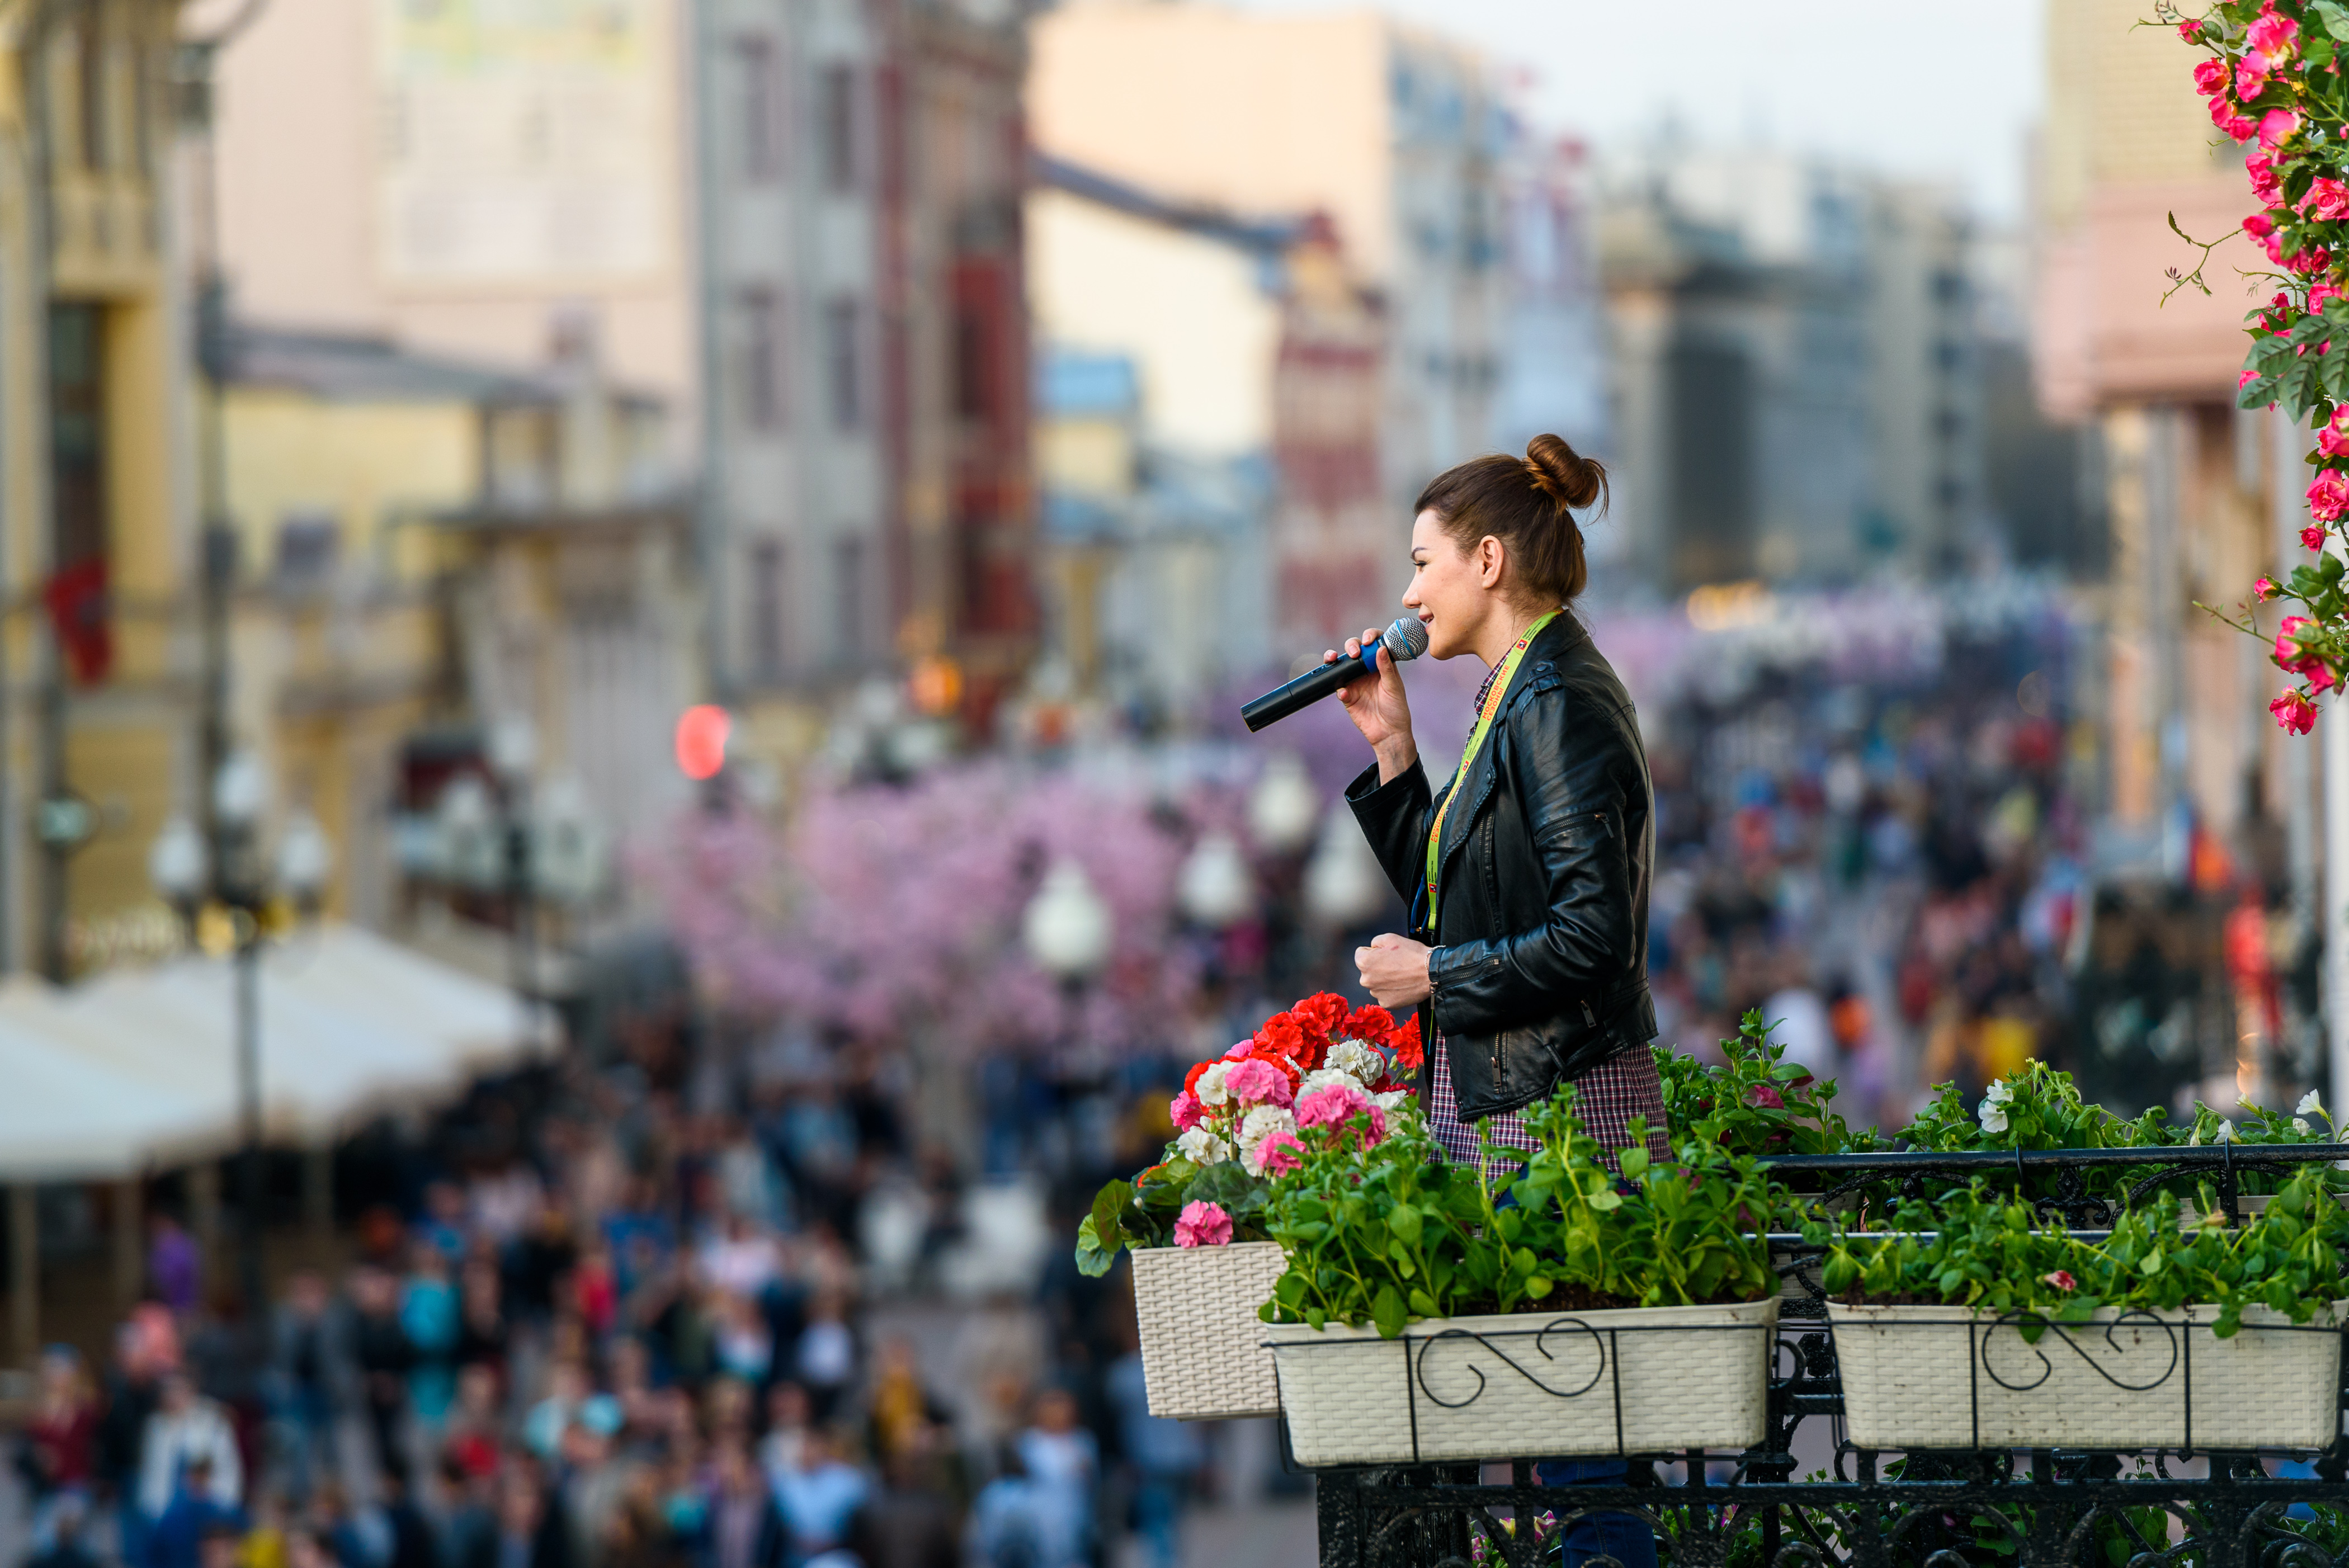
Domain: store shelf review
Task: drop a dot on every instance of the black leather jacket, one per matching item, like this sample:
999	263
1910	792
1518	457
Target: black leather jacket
1540	967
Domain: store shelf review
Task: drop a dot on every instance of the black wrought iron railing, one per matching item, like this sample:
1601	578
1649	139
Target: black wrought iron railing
1805	1497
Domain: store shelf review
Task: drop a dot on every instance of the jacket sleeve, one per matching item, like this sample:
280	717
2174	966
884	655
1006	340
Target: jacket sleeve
1573	804
1394	816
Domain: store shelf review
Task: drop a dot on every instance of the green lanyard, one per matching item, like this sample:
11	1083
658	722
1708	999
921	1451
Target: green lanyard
1502	676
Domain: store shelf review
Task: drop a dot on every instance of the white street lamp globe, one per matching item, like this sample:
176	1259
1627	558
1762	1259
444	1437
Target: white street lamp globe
567	847
240	790
1066	928
470	850
1283	808
1213	887
178	863
512	747
1344	884
305	857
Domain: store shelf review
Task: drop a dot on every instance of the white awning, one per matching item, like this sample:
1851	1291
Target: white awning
351	1026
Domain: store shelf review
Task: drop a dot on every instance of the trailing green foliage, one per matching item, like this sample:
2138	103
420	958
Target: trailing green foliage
1757	1102
1397	1233
1978	1248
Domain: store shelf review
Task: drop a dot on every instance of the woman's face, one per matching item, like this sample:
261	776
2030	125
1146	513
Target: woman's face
1448	588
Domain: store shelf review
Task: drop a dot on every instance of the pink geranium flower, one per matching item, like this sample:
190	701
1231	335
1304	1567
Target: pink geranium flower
1278	1154
2328	499
1336	1106
1202	1224
1240	1052
2294	712
1256	1082
1186	1111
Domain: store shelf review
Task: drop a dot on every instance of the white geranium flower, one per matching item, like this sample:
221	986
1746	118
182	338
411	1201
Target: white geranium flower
1395	1100
1260	1124
1202	1147
1330	1078
2311	1105
1211	1089
1357	1060
1993	1116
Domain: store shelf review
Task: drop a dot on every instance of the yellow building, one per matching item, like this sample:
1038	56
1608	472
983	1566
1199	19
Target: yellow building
94	531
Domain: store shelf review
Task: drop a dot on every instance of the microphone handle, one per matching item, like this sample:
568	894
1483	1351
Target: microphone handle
1308	688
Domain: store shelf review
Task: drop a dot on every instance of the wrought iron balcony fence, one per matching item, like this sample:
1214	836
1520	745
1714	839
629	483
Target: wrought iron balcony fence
1967	1506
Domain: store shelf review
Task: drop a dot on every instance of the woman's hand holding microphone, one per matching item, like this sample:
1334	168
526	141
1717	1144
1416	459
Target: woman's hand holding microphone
1378	708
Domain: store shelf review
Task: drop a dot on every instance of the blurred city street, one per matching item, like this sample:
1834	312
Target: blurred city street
623	633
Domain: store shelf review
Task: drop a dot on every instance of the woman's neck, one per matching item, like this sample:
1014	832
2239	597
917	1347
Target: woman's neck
1502	630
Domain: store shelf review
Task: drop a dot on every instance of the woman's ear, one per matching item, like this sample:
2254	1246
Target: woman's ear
1492	562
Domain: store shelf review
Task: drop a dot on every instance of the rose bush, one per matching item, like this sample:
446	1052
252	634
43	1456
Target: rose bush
2272	76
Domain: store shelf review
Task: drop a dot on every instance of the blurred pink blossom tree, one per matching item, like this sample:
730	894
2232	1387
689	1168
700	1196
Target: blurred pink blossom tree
880	909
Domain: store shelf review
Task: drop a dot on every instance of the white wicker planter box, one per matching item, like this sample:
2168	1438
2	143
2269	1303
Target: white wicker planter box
1528	1385
1935	1377
1202	1356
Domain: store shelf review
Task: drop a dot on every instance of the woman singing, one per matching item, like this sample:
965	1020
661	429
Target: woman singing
1527	874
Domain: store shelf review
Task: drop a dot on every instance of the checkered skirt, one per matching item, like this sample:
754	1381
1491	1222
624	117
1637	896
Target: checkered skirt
1609	1096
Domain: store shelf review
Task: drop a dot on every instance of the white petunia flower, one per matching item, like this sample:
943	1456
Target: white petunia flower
2311	1105
1211	1089
2226	1133
1202	1147
2000	1093
1357	1059
1993	1116
2299	1125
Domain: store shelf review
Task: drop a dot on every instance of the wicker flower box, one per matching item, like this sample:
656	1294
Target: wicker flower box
1937	1377
1528	1385
1202	1357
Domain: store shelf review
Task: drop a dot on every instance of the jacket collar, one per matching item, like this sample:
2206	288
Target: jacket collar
1556	640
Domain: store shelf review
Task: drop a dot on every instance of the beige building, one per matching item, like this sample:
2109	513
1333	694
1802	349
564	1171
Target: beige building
1390	132
2191	485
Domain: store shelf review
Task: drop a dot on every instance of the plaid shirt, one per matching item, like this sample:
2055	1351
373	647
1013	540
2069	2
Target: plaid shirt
1607	1097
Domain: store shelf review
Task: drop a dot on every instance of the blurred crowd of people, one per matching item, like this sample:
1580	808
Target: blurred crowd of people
1890	873
635	1336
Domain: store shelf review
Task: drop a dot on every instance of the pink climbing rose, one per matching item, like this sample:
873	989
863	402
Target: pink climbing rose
2294	712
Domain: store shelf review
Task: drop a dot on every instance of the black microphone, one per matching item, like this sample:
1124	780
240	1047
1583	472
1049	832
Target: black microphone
1406	639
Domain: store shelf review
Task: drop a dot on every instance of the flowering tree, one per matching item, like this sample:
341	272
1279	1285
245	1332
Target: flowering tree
2272	77
882	908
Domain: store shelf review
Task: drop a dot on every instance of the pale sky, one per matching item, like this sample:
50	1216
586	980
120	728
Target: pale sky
1906	87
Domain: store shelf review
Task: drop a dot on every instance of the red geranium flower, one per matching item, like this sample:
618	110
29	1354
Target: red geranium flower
1372	1024
1405	1044
1323	1011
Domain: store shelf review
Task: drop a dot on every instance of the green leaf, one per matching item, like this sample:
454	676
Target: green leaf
1109	1205
1387	1312
2333	16
1635	1163
1404	1222
1095	1260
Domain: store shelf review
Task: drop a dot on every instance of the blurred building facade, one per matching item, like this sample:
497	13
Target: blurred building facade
796	226
1392	134
1796	381
2189	484
94	424
1159	336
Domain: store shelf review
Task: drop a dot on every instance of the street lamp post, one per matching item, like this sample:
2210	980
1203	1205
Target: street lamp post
234	875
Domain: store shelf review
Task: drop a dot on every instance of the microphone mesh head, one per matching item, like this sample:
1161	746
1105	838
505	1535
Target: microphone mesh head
1406	639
